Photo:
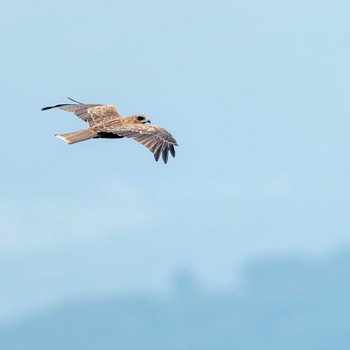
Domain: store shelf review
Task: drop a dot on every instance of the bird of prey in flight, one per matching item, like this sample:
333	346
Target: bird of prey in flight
105	122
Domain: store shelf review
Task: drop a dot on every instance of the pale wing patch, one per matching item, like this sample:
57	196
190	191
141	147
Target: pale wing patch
81	111
104	111
91	113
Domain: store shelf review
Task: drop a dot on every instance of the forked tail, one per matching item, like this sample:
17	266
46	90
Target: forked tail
77	136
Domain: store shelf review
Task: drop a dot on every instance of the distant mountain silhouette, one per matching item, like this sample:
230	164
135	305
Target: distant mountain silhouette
284	304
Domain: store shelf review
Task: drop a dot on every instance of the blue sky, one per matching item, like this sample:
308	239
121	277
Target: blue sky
256	94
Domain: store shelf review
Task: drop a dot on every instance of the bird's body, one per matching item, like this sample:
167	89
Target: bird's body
105	122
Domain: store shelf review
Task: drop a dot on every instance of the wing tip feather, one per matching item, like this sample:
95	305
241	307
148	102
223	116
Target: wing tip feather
46	108
157	154
56	106
172	150
165	155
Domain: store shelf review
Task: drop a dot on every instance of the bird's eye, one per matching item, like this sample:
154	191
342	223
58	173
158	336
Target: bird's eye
140	118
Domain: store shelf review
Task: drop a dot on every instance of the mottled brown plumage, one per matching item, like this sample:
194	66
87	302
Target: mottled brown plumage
105	122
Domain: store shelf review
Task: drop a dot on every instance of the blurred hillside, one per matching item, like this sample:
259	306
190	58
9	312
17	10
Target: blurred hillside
284	303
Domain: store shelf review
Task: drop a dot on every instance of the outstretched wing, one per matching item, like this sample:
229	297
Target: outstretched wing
94	114
156	139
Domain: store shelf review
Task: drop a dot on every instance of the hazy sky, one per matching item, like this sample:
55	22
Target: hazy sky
256	94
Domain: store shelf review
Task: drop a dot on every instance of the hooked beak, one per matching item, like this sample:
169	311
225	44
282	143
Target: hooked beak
147	121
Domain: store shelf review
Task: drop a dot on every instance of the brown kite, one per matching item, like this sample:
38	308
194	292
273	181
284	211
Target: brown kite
105	122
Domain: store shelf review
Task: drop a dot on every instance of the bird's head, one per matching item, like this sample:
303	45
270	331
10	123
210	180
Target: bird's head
141	119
